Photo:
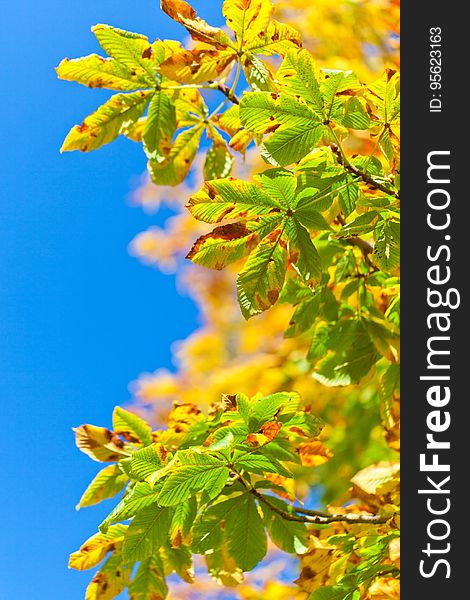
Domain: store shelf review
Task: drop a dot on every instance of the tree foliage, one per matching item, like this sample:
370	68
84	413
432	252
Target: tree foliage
310	233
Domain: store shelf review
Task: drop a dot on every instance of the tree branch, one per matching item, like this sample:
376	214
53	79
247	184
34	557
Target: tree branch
363	246
312	516
364	176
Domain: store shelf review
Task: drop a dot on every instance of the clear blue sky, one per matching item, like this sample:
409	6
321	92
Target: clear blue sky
79	318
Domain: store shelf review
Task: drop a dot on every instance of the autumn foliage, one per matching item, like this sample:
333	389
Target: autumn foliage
275	441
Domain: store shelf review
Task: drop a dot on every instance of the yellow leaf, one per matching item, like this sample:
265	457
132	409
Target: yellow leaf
106	484
199	30
247	18
314	453
104	125
378	484
316	565
109	582
92	552
99	443
196	66
175	166
385	588
97	72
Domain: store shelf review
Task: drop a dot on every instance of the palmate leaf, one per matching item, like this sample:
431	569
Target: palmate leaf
104	125
309	102
109	482
272	231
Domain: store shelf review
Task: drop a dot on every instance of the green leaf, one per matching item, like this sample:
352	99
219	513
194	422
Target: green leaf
219	160
362	224
131	426
141	496
264	409
160	126
229	243
182	520
289	536
97	72
298	76
335	592
258	74
246	537
109	482
180	560
196	472
231	199
304	316
351	357
132	50
147	532
174	168
386	253
303	253
355	115
256	463
297	129
260	282
149	581
104	125
145	462
207	533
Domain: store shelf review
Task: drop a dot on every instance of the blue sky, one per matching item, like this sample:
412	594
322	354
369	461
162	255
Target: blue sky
79	317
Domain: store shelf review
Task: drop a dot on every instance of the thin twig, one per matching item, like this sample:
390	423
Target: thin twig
312	516
342	160
225	90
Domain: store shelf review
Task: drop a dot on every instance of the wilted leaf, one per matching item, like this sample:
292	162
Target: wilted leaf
99	443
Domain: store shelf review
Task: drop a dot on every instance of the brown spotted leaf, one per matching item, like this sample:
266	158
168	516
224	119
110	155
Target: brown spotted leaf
261	280
92	552
99	443
247	18
109	581
198	29
104	125
175	166
97	72
197	66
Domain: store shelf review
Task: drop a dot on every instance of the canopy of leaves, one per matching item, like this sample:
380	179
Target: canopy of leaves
314	243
